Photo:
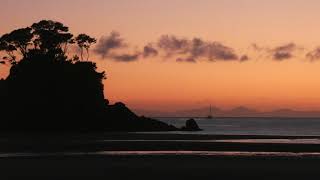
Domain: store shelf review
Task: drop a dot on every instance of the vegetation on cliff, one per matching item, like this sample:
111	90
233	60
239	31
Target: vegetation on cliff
48	91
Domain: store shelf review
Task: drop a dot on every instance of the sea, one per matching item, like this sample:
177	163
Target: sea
252	126
302	127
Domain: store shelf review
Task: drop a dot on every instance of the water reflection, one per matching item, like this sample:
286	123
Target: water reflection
163	153
276	141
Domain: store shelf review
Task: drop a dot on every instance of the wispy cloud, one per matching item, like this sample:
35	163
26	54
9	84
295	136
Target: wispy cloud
283	52
257	48
314	54
114	47
195	49
150	51
126	57
108	43
244	58
188	60
172	45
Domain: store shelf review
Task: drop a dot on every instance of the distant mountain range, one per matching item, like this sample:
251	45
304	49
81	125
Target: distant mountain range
240	111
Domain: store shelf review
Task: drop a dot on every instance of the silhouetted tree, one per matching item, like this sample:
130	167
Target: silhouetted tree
17	40
75	58
51	36
9	49
45	37
84	42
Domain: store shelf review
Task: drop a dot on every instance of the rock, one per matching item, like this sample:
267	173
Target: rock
191	125
121	118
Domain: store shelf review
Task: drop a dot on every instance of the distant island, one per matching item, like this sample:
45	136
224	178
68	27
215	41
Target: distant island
240	111
48	91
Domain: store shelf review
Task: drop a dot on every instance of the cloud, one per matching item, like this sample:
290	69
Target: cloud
282	56
257	48
314	54
126	57
173	45
283	52
150	51
286	47
244	58
114	47
278	53
218	51
108	43
192	50
195	49
188	60
112	42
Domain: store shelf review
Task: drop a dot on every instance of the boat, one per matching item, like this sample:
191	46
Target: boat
210	114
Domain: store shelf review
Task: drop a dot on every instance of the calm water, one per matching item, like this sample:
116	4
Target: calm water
254	126
163	153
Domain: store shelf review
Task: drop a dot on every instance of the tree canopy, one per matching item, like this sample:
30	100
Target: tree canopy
46	37
84	42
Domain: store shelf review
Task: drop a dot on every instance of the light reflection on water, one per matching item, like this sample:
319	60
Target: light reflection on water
164	153
212	153
275	141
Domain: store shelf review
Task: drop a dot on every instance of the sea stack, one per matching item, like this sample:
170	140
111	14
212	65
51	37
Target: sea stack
191	125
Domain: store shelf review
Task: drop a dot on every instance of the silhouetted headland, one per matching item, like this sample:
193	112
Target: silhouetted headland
191	125
48	91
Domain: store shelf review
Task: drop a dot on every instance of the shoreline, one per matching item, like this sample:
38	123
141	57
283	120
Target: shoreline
95	156
167	135
93	142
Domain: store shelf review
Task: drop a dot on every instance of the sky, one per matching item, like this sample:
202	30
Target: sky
255	53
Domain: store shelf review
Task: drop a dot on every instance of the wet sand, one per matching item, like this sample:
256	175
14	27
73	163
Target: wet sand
159	167
148	142
73	156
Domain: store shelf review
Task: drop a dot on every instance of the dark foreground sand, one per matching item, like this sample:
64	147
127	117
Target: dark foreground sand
159	167
90	166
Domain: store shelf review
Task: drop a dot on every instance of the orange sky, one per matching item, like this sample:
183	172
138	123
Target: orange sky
163	84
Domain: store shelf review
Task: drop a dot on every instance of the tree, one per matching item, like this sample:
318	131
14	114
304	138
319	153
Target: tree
9	49
51	36
46	37
85	42
18	40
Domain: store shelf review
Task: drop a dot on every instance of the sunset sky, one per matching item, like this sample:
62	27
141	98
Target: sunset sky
263	53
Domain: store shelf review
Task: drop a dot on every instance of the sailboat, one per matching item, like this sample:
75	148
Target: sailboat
210	114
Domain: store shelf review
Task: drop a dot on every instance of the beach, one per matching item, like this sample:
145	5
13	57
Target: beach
95	142
157	156
87	167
